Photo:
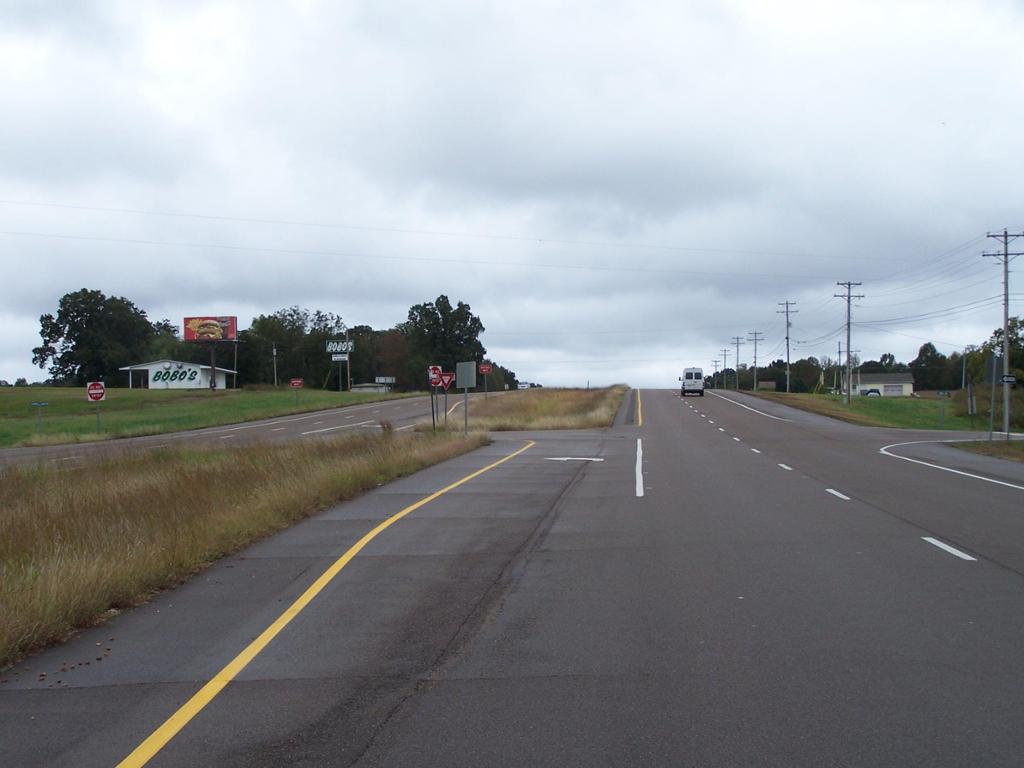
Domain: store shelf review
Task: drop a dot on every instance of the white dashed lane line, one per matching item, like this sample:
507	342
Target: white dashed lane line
837	494
952	550
721	430
786	467
736	439
278	429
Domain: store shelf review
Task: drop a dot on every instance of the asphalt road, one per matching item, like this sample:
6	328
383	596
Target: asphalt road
716	586
402	414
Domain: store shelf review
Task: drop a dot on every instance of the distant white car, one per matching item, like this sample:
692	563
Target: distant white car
523	385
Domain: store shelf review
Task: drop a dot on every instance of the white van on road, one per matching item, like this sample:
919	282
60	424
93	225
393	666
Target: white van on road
693	382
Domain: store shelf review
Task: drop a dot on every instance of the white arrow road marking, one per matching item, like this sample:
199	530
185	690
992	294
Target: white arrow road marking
572	458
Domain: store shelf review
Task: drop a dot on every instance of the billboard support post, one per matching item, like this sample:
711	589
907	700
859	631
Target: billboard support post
213	366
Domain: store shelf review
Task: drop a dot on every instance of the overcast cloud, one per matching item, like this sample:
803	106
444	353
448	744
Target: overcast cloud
617	191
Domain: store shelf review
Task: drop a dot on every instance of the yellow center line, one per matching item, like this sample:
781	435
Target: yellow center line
157	740
639	410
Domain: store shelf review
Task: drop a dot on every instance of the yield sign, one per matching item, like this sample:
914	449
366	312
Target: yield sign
446	380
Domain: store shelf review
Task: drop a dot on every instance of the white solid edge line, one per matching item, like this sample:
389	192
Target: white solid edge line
786	467
885	451
639	468
837	494
340	426
947	548
741	405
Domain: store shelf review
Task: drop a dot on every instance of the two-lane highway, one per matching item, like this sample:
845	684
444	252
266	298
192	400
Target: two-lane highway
402	414
711	587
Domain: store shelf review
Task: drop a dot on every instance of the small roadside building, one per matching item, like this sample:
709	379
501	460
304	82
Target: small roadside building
887	384
174	374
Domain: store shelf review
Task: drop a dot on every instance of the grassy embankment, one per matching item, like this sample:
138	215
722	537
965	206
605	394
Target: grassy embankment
924	412
75	544
70	418
542	408
900	412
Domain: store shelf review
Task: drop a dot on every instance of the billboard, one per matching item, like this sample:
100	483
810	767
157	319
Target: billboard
208	328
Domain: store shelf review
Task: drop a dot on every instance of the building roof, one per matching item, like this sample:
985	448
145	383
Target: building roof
145	366
887	378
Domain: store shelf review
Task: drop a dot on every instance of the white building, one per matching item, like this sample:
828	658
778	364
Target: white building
173	374
886	384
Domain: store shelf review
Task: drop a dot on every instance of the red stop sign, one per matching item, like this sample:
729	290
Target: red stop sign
295	383
96	391
485	368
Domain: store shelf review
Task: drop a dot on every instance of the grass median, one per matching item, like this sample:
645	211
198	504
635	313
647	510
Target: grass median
541	408
75	544
68	417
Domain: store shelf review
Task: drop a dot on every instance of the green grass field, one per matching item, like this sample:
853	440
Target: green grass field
70	418
901	412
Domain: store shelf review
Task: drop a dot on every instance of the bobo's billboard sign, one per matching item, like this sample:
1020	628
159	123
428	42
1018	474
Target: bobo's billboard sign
209	328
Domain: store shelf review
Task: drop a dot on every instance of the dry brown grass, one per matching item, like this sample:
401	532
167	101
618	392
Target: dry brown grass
1000	448
76	543
544	408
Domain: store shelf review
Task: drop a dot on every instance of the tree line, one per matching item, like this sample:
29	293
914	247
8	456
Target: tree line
92	335
931	369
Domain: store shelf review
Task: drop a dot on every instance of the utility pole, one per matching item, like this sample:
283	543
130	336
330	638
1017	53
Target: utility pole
849	363
725	365
754	337
1005	257
737	340
714	379
787	304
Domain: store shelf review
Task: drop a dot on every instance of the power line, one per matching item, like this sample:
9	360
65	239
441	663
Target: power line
390	257
429	232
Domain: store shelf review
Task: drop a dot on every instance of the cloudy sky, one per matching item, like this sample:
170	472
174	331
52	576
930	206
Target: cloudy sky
618	189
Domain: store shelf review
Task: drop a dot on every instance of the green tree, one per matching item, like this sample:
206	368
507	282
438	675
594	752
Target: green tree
91	336
440	334
930	368
300	337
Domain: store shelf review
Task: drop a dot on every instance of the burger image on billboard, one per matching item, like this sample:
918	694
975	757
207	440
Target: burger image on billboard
210	328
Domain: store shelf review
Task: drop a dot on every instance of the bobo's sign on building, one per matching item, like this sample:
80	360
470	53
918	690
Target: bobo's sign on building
210	328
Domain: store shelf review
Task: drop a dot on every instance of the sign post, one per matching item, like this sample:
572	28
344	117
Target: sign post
465	380
296	384
485	371
39	415
434	379
96	392
339	350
